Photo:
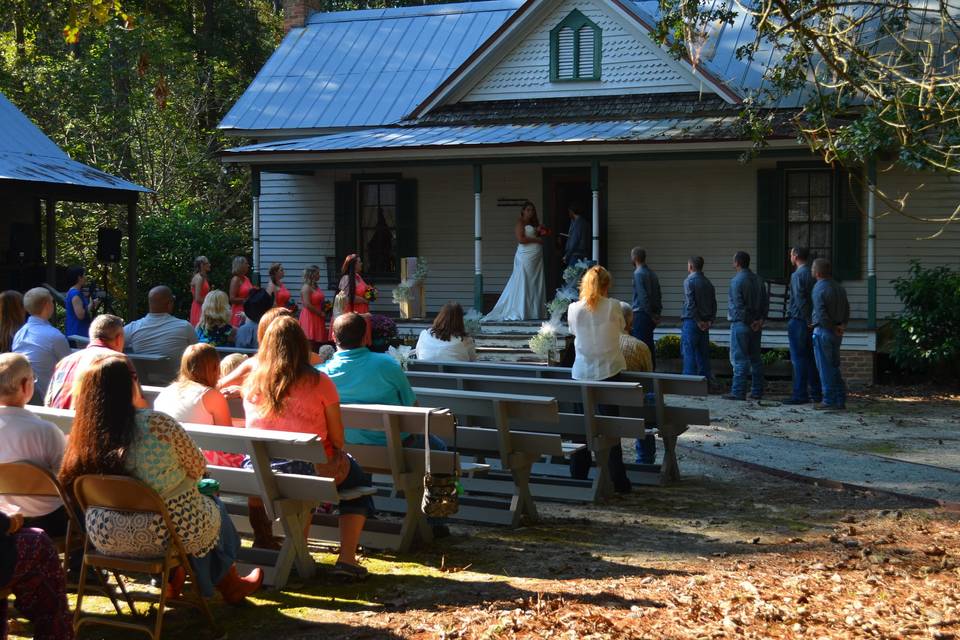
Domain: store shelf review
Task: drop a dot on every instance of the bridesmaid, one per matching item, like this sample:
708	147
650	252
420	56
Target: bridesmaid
352	285
199	287
240	288
276	288
312	317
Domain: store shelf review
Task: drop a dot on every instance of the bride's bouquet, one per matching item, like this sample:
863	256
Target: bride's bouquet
543	231
370	294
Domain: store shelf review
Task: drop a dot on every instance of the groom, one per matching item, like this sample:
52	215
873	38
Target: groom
577	246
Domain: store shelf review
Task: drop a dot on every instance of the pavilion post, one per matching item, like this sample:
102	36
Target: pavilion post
132	259
50	211
255	189
595	209
477	239
872	243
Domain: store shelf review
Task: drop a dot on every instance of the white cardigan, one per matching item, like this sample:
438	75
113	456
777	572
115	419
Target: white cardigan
430	347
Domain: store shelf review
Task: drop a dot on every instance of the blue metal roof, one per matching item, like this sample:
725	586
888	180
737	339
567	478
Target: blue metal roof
27	154
446	137
363	68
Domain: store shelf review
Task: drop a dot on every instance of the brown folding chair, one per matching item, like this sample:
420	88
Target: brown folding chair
25	478
122	493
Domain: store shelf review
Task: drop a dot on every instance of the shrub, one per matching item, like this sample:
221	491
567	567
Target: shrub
773	356
668	347
719	353
928	331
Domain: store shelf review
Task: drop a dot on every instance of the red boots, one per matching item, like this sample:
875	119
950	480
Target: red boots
234	589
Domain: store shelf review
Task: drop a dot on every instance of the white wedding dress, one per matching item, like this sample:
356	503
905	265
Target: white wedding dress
524	296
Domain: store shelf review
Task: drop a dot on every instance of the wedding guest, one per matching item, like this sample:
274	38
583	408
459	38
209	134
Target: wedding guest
806	379
257	304
159	332
12	317
30	568
285	393
577	246
312	316
831	313
748	304
230	363
39	341
698	314
199	287
79	307
647	304
110	436
636	354
447	339
596	322
24	436
106	338
214	326
240	288
352	286
364	377
276	288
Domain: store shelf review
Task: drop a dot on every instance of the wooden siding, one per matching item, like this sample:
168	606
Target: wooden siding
671	208
630	63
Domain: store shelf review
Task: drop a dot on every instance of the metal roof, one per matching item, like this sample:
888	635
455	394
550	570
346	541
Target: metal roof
447	137
26	154
363	68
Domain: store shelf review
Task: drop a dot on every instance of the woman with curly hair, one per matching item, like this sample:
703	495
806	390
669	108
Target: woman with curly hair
276	288
214	326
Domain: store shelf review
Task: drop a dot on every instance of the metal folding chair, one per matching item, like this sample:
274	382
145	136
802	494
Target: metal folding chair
122	493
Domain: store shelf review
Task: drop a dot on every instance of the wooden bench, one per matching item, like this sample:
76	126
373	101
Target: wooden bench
581	424
670	420
489	420
225	351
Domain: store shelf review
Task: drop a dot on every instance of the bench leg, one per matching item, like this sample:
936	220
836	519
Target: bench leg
415	526
670	469
602	484
294	550
522	502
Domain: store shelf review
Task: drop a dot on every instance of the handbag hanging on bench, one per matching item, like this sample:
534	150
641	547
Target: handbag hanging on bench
440	496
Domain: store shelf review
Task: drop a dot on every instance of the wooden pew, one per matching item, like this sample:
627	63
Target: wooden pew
670	420
598	432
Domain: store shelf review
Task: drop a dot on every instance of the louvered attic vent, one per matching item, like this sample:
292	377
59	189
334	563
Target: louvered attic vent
575	49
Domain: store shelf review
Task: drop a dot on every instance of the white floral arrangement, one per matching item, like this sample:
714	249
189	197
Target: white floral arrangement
402	292
570	291
545	342
402	354
471	322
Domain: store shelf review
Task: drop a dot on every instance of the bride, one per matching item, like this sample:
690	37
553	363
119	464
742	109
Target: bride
524	296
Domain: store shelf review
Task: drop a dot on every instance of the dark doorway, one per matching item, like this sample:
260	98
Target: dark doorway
563	188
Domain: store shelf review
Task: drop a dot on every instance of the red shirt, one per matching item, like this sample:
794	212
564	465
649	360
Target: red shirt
60	390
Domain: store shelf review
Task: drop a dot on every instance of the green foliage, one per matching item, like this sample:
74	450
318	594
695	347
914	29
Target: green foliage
771	357
719	353
668	347
928	330
169	243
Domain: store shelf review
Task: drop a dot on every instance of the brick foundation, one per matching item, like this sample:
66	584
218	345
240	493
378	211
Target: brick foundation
857	368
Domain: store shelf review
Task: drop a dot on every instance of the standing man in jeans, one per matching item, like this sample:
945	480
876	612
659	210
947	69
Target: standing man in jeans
831	313
748	305
806	382
698	314
646	301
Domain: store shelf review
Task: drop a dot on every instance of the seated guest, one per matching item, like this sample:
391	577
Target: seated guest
24	436
214	326
364	377
158	332
597	323
111	436
12	317
106	337
30	568
79	307
43	345
231	362
635	352
447	339
285	393
253	310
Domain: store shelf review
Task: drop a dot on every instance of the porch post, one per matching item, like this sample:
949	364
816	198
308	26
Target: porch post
871	243
255	190
132	259
595	209
50	212
477	239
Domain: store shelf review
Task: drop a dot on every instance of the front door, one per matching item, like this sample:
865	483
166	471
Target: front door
564	188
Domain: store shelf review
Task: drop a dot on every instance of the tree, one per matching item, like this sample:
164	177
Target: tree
879	79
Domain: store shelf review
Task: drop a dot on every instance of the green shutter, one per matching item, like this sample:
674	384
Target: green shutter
848	227
407	219
345	219
771	259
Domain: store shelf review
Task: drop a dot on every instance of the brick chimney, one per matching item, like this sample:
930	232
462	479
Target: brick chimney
295	12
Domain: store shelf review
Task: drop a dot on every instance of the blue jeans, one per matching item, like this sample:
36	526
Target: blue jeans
642	330
695	347
745	358
806	381
213	567
826	349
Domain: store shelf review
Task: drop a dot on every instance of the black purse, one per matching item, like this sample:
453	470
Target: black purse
440	496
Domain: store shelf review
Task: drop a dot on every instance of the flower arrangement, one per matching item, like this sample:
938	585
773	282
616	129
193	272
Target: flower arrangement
383	331
402	354
543	231
570	291
544	342
370	294
471	321
402	292
327	306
